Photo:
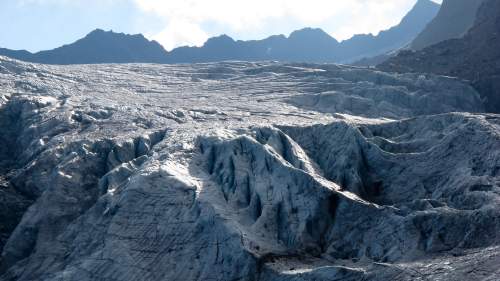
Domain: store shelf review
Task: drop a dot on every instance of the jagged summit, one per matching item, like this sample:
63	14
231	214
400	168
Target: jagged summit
420	9
97	32
221	39
99	46
309	33
103	34
423	4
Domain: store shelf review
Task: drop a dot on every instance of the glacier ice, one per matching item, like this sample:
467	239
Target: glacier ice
245	171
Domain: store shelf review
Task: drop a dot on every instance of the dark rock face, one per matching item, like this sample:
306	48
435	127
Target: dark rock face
454	19
475	57
13	205
17	54
373	61
98	47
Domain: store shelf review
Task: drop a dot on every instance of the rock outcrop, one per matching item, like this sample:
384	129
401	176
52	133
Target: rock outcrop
454	19
386	41
475	57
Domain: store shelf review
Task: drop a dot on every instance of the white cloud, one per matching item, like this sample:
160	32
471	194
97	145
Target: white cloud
180	33
185	19
66	2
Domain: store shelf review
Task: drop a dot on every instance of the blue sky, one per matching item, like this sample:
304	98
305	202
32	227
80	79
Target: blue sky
45	24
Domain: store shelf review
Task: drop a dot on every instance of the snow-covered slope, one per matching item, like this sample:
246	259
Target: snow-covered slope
245	171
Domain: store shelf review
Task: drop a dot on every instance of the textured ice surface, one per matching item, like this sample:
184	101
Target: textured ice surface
245	171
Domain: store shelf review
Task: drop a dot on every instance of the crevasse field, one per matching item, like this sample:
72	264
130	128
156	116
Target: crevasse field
245	171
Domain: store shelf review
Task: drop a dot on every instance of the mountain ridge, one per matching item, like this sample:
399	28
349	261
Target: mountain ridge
303	45
98	46
282	48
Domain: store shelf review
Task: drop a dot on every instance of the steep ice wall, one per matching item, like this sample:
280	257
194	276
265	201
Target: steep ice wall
426	167
60	174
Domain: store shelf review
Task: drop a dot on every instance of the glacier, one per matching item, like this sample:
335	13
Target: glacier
245	171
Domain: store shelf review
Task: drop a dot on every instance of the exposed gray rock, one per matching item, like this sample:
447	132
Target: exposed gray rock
454	19
208	172
474	57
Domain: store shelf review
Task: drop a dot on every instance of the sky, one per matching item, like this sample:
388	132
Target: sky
36	25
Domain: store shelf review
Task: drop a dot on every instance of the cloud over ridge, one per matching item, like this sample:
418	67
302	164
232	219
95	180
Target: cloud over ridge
185	20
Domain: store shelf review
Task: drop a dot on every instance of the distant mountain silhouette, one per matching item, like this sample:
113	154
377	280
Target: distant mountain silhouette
305	45
97	47
311	45
17	54
452	21
474	57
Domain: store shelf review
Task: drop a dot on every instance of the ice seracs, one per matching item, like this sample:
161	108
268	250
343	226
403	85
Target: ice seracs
228	171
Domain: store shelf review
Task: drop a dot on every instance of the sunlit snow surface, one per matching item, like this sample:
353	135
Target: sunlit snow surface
247	171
